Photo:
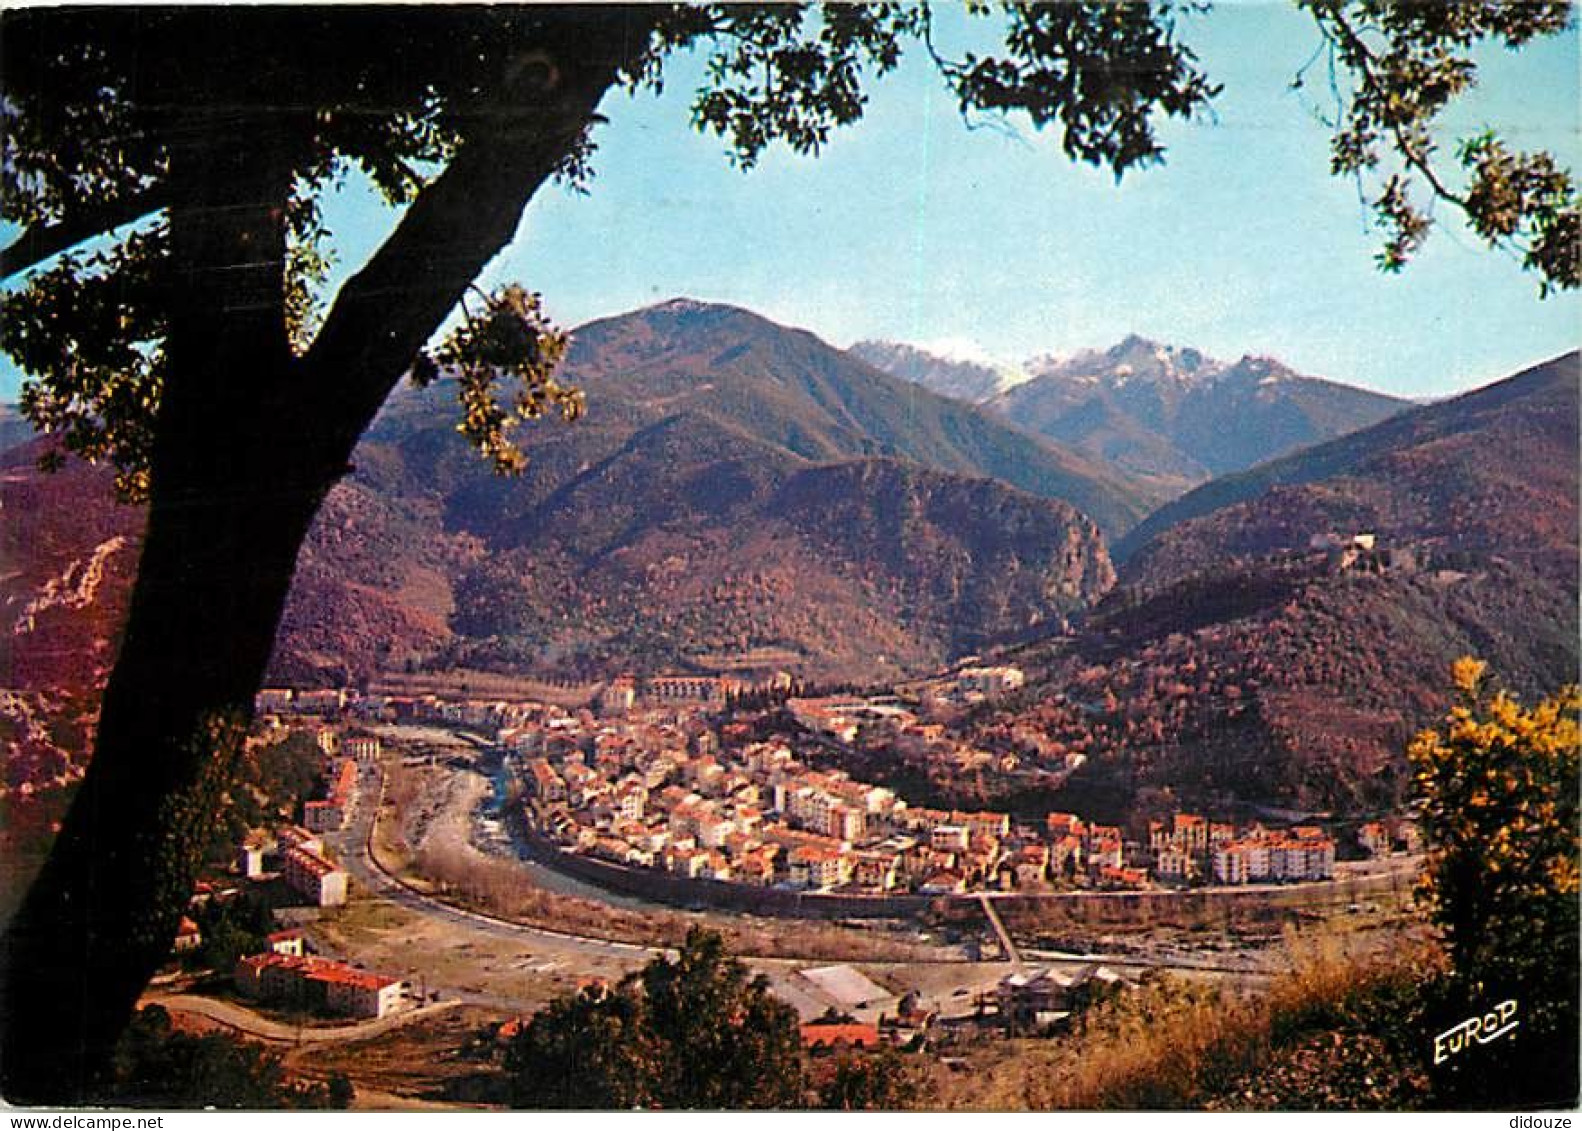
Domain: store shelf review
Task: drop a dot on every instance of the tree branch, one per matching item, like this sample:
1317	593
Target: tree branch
40	241
1365	61
465	217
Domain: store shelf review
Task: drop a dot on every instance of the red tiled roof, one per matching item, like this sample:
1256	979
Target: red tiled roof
312	862
335	973
319	970
827	1034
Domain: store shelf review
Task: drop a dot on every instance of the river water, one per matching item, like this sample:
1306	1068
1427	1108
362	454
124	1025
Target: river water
494	835
490	833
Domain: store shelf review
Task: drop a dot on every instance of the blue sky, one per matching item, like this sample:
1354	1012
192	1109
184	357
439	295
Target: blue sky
913	227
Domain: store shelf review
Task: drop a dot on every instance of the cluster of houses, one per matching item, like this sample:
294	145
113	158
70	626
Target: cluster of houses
1395	834
1044	998
1079	848
612	697
1037	1000
916	736
297	854
344	754
329	813
292	701
287	975
1301	853
665	796
919	735
679	799
360	748
1192	847
966	685
660	690
988	682
673	790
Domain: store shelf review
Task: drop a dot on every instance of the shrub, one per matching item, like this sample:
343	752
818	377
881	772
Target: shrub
1498	784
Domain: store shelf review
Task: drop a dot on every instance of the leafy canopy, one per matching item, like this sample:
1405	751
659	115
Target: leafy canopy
103	110
1405	64
1498	789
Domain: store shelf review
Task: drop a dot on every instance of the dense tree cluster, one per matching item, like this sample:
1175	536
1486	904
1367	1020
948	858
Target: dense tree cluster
878	1081
695	1032
1405	65
231	929
1300	689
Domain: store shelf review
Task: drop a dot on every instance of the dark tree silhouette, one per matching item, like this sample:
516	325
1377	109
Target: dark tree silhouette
696	1032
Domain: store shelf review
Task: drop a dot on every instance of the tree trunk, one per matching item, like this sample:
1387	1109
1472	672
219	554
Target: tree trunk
229	510
100	918
249	440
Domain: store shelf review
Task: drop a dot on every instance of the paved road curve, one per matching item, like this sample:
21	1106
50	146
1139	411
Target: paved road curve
234	1016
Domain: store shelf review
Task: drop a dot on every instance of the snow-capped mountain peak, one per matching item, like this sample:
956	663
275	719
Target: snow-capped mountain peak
953	367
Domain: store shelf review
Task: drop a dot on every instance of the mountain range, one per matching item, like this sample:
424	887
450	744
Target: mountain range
1157	413
963	375
735	486
1488	470
14	428
1257	651
793	391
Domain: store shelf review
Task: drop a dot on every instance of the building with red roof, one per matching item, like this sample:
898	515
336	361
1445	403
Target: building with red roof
317	879
317	983
291	941
188	937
